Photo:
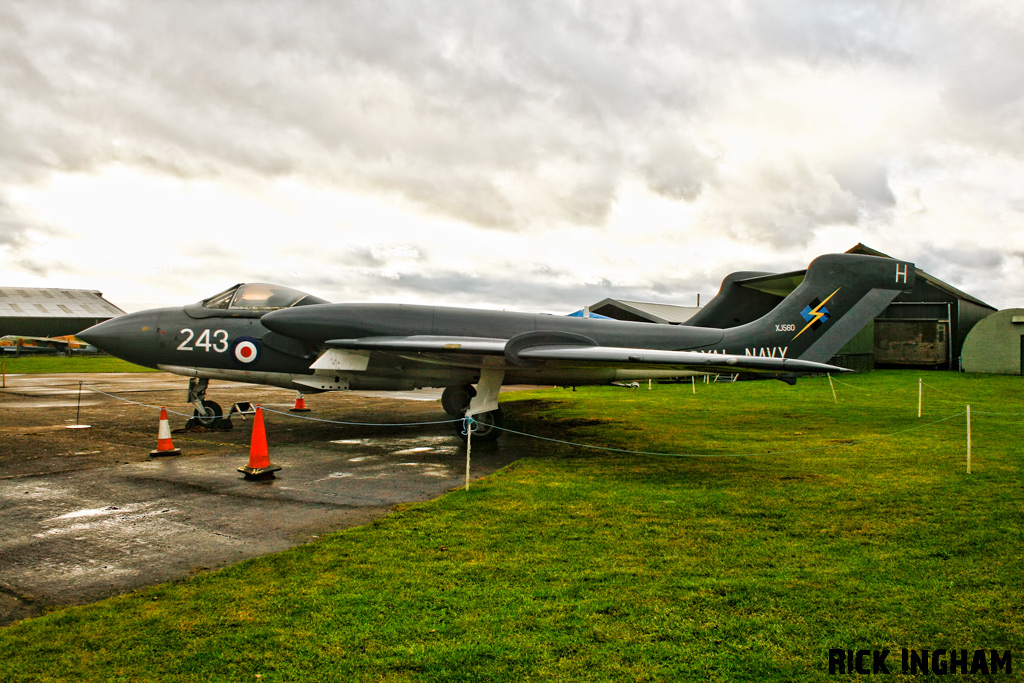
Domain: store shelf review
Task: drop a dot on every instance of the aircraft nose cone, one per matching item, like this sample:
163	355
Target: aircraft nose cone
125	336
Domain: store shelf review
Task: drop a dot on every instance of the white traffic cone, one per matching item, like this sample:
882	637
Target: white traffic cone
164	446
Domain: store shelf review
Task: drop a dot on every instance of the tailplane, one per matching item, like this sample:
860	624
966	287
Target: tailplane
736	303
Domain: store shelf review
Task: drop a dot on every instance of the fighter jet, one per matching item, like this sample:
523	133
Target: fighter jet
274	335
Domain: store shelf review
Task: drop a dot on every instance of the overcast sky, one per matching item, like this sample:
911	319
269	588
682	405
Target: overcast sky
523	155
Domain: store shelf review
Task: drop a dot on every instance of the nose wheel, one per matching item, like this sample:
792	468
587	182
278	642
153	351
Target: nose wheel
207	414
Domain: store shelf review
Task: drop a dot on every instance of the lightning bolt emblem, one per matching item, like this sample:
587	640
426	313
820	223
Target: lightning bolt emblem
817	314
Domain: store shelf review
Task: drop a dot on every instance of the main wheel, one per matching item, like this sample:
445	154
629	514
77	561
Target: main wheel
486	426
455	399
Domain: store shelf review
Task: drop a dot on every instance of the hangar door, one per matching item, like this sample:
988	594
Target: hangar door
912	342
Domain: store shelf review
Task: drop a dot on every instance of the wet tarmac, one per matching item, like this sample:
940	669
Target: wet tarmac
88	514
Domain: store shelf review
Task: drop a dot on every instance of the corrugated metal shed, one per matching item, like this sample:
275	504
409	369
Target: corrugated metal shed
996	344
639	311
926	326
52	312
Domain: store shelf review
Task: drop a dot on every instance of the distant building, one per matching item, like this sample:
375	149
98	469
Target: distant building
996	344
638	311
52	312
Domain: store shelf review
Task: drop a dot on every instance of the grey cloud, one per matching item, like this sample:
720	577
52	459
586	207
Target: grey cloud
866	179
965	258
12	230
779	204
464	108
513	290
15	231
676	168
829	31
986	273
456	97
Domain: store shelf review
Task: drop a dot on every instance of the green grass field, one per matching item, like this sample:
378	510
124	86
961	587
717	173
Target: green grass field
815	524
58	364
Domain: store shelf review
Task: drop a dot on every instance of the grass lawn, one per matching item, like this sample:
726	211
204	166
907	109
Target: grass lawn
854	526
57	364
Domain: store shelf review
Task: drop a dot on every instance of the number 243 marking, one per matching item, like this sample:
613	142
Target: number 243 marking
217	341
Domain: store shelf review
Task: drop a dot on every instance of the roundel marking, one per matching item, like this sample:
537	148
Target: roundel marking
246	350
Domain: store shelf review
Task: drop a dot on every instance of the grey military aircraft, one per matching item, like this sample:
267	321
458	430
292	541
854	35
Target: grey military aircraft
274	335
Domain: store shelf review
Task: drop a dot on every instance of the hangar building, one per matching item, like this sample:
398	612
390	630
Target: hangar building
51	312
996	344
924	327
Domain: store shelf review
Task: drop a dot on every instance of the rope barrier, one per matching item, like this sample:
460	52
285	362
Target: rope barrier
852	386
983	412
127	400
468	423
940	390
363	424
730	455
277	412
943	391
965	399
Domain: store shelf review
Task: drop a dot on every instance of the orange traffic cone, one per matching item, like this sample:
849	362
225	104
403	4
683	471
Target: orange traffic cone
164	446
300	404
259	466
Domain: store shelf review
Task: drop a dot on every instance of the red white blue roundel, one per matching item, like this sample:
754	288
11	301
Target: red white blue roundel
246	350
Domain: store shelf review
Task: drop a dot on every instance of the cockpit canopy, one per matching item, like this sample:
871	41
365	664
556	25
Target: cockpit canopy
252	299
259	296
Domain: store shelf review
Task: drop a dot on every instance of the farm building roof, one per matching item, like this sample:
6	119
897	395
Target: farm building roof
26	302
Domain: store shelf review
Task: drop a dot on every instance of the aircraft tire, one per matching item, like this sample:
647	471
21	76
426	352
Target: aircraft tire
455	399
210	415
486	426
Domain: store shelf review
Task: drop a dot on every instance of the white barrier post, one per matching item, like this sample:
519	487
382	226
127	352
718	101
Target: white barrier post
968	439
693	383
468	424
78	415
920	393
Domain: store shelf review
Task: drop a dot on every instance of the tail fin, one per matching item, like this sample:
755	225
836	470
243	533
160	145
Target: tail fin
840	294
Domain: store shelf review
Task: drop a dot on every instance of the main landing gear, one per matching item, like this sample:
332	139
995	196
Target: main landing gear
486	426
464	399
455	399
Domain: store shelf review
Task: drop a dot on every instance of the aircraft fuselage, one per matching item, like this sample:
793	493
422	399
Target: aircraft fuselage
244	349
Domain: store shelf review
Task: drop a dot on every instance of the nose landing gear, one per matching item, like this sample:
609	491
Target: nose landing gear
207	414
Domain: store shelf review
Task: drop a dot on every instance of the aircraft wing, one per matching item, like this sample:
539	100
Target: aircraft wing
683	360
571	351
423	344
